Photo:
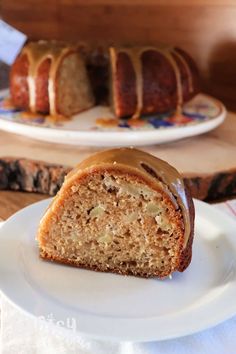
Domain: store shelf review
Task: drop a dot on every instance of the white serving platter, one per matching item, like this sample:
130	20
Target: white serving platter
200	115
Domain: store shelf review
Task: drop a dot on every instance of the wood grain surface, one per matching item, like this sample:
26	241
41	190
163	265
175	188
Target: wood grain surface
206	29
11	202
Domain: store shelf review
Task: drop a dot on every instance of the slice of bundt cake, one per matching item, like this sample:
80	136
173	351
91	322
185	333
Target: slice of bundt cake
121	211
50	77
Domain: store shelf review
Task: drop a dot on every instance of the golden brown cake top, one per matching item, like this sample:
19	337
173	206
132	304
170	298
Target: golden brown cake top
145	165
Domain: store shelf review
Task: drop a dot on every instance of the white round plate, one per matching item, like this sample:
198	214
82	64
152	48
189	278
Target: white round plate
109	306
200	115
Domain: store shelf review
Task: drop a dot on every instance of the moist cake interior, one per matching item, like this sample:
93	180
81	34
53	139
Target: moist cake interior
114	222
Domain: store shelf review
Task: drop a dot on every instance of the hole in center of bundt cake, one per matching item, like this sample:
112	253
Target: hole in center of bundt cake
117	222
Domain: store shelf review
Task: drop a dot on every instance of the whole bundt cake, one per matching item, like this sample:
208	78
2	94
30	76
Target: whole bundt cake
121	211
55	78
51	78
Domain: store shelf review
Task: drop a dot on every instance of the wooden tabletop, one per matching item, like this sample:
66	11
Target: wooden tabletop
11	202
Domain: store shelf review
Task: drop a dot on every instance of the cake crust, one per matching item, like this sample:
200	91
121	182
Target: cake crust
159	86
18	82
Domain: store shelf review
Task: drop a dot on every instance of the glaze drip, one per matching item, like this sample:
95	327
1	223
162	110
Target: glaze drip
187	68
37	53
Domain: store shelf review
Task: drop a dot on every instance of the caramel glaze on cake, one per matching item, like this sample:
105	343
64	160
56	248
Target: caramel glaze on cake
57	78
121	211
50	77
147	80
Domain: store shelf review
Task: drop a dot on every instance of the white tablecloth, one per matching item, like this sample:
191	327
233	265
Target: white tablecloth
21	334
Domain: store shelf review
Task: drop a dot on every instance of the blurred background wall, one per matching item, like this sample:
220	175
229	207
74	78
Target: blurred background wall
206	29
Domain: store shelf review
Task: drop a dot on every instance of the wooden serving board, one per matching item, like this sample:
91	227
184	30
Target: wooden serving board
207	162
